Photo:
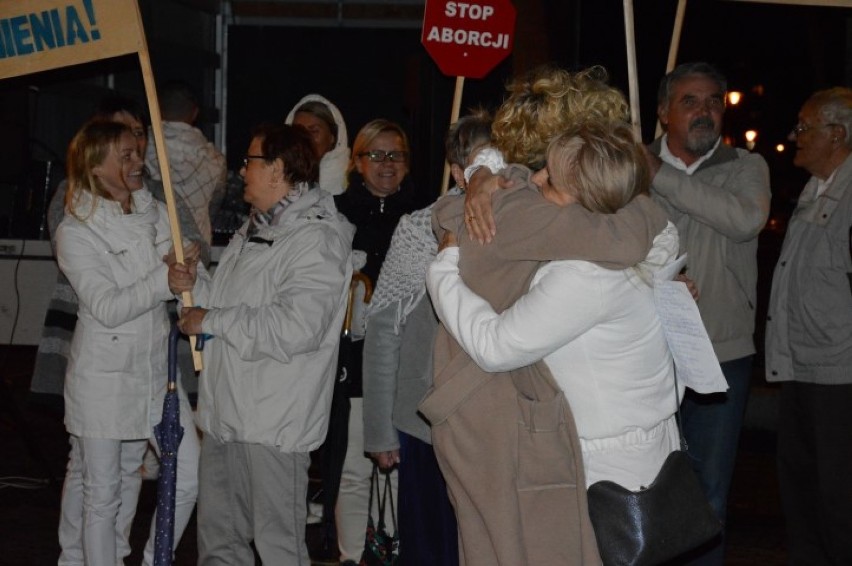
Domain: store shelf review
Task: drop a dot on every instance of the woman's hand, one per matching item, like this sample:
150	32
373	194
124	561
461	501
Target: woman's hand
478	216
690	285
386	460
448	241
182	277
191	254
190	320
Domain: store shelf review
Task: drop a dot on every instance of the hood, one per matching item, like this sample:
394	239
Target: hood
334	163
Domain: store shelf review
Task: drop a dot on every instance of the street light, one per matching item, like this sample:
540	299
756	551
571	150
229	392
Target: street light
750	136
734	97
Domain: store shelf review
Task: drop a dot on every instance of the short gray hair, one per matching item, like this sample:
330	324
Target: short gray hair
686	70
835	107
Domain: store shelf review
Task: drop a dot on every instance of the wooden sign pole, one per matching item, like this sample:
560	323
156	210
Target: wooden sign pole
632	75
673	49
454	116
171	205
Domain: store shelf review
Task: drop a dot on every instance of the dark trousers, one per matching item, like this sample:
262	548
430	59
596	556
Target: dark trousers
815	472
428	534
711	425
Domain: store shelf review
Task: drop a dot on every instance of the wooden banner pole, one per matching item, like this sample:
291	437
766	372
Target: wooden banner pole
673	49
159	140
632	75
454	116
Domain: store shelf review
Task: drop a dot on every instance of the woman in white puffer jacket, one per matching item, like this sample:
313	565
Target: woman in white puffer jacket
111	246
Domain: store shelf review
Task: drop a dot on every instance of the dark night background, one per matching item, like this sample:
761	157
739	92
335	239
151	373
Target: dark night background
251	60
367	58
373	65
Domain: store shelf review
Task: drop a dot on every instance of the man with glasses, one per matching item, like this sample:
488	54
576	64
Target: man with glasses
718	196
809	339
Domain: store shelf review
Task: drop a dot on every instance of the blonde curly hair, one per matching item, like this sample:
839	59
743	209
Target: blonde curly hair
546	102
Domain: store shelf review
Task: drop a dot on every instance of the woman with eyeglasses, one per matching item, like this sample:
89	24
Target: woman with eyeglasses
380	192
274	308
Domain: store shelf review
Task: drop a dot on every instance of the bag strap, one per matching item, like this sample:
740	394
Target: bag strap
389	494
683	445
374	487
381	504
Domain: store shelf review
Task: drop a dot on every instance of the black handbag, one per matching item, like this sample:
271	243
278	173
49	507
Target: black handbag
657	523
380	547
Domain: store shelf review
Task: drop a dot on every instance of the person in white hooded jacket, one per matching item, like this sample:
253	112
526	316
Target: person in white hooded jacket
111	246
327	128
274	310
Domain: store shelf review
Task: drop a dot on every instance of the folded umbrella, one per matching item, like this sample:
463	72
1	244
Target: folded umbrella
168	434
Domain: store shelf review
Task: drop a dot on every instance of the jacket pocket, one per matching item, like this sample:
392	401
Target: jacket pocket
109	352
545	455
548	497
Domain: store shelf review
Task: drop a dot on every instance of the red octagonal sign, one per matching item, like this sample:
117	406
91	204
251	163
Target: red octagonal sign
468	39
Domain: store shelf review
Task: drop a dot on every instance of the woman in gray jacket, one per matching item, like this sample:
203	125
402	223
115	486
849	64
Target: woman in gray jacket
274	309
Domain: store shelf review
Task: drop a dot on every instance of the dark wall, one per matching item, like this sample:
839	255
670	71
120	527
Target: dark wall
367	73
39	113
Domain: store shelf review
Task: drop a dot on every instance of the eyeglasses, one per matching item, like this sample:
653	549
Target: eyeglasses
802	128
380	156
249	157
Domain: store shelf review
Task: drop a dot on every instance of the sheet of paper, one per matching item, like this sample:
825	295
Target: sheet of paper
695	361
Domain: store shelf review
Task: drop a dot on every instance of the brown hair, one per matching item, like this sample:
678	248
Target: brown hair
292	145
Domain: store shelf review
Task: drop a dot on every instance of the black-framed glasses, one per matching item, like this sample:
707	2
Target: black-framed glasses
380	156
802	128
247	158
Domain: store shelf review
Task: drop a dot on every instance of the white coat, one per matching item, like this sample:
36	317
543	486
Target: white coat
117	371
276	304
599	333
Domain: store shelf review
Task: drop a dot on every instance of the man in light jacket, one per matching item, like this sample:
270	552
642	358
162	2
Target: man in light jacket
718	197
809	339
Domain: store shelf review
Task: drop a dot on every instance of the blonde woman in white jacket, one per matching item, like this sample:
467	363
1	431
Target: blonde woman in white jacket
597	329
111	246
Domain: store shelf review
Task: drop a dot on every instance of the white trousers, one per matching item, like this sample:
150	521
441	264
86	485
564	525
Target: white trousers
101	490
353	500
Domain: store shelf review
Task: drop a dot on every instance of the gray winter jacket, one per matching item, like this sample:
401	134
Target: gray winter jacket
277	302
719	211
809	324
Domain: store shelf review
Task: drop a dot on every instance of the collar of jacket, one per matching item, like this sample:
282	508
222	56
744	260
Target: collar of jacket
315	204
357	198
723	154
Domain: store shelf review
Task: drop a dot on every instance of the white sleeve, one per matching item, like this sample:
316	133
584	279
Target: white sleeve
486	157
563	304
